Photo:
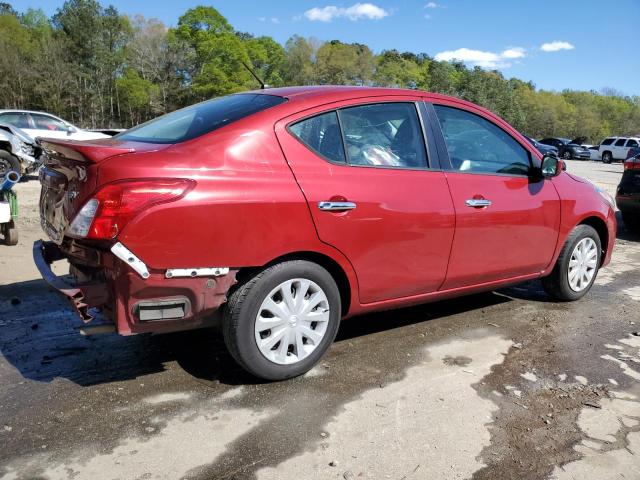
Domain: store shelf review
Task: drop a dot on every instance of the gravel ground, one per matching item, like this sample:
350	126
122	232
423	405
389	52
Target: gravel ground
499	385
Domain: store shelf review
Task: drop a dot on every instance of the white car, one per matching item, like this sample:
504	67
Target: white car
617	148
594	151
40	124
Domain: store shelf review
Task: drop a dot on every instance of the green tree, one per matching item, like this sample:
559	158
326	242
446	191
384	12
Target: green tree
217	55
299	60
139	97
339	63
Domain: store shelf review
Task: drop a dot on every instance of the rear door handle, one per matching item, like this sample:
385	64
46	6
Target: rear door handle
336	206
478	202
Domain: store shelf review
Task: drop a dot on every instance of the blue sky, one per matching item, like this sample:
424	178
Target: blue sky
585	45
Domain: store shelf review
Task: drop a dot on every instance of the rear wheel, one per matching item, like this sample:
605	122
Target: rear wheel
280	322
10	233
607	157
8	162
577	265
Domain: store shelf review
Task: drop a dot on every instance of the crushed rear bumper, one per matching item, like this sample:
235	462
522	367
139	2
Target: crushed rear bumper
134	304
81	296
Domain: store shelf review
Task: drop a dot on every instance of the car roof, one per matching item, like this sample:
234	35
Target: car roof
15	110
319	94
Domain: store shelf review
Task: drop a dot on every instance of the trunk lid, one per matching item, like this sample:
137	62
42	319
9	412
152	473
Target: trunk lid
69	176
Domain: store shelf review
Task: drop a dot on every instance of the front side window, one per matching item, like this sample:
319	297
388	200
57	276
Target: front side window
477	145
45	122
620	142
384	135
632	143
607	141
322	135
17	119
196	120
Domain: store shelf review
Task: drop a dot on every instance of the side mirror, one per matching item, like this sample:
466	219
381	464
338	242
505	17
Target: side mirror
70	129
552	166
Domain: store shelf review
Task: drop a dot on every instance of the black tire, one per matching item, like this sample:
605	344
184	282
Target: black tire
630	222
240	313
8	162
557	283
567	155
10	233
606	157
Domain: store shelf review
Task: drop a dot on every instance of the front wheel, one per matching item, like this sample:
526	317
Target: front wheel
566	155
577	265
8	162
607	157
280	322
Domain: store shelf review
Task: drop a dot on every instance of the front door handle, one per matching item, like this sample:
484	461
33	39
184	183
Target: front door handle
478	202
328	206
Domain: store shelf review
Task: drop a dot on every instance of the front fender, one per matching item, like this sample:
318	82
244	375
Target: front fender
580	203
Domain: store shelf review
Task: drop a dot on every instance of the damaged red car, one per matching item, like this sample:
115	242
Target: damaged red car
282	211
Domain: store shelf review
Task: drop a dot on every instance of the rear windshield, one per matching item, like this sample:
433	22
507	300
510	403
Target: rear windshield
201	118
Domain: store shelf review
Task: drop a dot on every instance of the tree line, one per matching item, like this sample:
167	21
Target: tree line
98	68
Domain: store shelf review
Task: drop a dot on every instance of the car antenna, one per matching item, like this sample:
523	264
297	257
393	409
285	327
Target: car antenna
262	84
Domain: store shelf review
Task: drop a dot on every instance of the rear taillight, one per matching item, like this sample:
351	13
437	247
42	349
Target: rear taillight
115	204
632	163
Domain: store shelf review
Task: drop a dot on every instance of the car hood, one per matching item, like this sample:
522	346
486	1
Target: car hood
18	133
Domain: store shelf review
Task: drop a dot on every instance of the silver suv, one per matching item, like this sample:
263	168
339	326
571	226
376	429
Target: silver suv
617	148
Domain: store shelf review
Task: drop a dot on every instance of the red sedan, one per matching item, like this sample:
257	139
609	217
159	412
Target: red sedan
283	211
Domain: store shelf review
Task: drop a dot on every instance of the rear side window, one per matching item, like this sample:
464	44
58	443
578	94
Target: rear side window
20	120
384	135
632	143
196	120
620	142
607	141
322	135
476	145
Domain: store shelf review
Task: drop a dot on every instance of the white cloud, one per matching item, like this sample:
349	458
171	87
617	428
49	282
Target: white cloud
556	46
481	58
270	19
433	5
517	52
355	12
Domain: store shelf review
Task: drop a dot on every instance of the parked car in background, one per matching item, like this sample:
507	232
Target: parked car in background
628	193
310	204
40	124
594	152
569	149
18	151
617	148
542	148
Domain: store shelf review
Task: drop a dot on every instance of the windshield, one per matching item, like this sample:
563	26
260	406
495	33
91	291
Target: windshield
201	118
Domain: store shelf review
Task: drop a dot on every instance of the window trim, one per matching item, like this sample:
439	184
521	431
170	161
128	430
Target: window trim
415	103
445	159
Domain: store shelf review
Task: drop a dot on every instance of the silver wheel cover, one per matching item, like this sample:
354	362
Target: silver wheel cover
292	321
582	264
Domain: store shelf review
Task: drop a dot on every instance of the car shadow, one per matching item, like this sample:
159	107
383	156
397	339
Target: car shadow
39	337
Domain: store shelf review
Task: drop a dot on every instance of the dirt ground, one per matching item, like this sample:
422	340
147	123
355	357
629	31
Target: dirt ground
503	385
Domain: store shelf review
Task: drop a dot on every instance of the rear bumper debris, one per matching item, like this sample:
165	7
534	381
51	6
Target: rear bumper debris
81	296
135	302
